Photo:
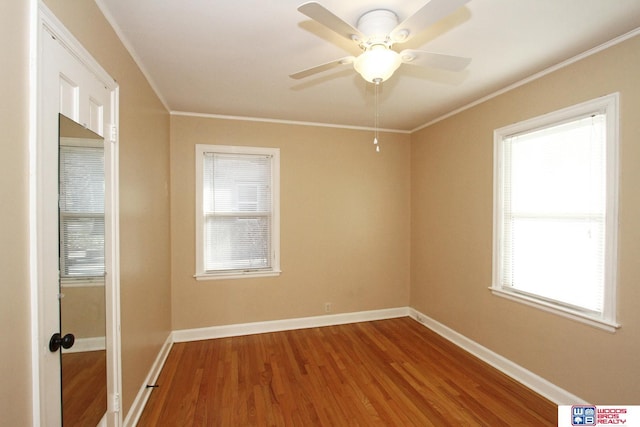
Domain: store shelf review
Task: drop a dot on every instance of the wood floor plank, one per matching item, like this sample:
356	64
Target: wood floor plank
383	373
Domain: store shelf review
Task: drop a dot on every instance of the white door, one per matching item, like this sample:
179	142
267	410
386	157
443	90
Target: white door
72	84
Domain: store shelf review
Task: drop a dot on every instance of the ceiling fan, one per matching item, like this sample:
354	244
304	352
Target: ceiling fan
377	32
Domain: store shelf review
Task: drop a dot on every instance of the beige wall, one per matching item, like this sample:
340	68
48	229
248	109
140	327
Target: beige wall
82	311
344	225
144	195
451	164
15	361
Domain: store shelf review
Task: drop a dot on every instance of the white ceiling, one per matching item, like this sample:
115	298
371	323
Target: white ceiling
233	57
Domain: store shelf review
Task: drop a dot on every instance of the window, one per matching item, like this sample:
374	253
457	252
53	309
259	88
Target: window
81	214
555	211
237	211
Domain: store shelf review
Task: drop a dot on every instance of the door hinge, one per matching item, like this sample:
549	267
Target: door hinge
115	402
114	133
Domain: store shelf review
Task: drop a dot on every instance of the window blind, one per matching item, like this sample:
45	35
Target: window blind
554	198
81	204
237	204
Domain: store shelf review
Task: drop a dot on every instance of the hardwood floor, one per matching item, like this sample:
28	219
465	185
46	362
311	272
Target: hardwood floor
84	388
383	373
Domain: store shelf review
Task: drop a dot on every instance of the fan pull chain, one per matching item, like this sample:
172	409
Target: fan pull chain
376	119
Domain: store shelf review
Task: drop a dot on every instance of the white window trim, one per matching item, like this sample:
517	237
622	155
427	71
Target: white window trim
607	319
274	270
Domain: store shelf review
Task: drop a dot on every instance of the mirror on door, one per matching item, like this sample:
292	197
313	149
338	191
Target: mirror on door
82	268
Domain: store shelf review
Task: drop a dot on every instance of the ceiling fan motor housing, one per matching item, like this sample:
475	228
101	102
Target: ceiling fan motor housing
376	26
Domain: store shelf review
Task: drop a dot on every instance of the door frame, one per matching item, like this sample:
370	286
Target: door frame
43	216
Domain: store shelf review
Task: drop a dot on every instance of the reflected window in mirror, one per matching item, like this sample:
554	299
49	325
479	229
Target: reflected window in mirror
81	210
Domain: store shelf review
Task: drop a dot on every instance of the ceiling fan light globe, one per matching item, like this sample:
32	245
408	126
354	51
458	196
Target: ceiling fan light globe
377	64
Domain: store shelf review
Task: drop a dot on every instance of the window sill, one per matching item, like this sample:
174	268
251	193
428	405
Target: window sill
81	283
237	275
557	309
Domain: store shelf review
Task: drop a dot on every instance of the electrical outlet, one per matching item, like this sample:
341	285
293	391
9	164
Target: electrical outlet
327	307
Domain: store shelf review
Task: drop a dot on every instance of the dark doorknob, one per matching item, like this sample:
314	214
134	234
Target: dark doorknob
58	341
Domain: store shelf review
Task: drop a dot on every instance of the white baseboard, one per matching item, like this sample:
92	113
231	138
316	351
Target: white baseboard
286	324
135	412
87	344
536	383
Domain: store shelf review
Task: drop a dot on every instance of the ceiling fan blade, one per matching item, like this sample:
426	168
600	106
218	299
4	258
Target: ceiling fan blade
323	67
322	15
429	14
434	60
